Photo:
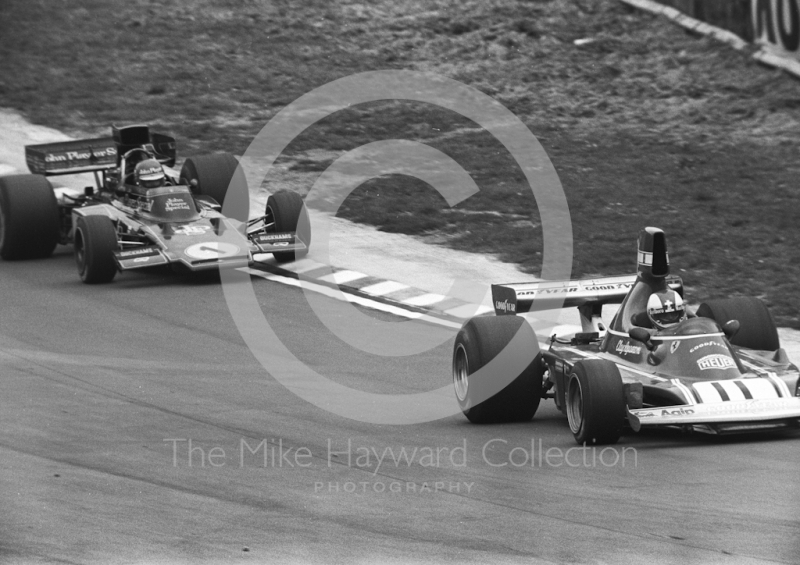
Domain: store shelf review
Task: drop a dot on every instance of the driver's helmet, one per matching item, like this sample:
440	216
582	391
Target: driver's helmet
665	309
149	174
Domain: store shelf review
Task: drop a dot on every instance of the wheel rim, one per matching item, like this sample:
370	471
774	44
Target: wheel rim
80	251
269	220
2	227
461	373
575	404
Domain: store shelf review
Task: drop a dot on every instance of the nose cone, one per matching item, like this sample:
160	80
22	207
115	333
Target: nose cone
652	256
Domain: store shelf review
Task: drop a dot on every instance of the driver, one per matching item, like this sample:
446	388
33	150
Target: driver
665	309
149	174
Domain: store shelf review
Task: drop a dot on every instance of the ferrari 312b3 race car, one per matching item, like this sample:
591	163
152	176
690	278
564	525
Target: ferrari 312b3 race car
720	370
142	212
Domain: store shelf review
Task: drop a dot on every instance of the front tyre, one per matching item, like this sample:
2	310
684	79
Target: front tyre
595	402
478	342
217	176
285	212
95	244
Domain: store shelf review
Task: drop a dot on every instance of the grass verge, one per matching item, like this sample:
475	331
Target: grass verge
645	124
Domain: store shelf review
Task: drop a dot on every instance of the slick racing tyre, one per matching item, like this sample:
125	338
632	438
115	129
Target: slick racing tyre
756	327
29	222
478	342
215	176
95	243
595	402
286	212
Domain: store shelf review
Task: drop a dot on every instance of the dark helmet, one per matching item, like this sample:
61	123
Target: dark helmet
665	309
149	174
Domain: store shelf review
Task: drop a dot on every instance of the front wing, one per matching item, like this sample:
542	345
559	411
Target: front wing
277	242
742	411
198	255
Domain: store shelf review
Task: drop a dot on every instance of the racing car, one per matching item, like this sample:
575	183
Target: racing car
142	211
718	370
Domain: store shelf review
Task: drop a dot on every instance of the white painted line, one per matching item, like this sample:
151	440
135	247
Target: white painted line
382	288
468	310
342	277
424	300
300	266
689	23
352	298
763	55
773	60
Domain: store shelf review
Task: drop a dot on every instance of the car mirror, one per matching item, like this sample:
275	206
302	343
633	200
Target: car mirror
641	334
730	328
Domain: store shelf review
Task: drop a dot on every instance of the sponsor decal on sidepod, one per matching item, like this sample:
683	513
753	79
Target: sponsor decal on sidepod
625	347
274	237
665	412
135	252
715	361
705	344
176	204
192	230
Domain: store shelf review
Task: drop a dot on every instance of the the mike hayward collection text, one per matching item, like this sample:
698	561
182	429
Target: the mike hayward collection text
277	453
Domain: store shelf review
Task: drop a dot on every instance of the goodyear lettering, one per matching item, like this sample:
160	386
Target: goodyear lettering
607	287
705	344
505	306
715	361
570	289
748	406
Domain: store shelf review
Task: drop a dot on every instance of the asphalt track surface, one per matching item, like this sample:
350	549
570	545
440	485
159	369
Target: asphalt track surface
104	386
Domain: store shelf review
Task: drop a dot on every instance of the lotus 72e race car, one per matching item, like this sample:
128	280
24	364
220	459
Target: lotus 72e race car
720	370
130	222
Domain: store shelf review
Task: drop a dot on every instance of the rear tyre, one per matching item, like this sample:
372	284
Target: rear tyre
29	222
757	329
216	176
95	243
286	212
595	402
477	343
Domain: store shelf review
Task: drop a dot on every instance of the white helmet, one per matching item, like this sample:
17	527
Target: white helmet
665	309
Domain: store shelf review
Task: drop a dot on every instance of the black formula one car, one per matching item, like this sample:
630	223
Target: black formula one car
122	224
720	370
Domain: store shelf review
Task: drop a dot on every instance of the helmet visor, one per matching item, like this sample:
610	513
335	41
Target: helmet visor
667	318
152	182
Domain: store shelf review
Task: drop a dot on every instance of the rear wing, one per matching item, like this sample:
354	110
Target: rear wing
518	298
71	157
98	154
